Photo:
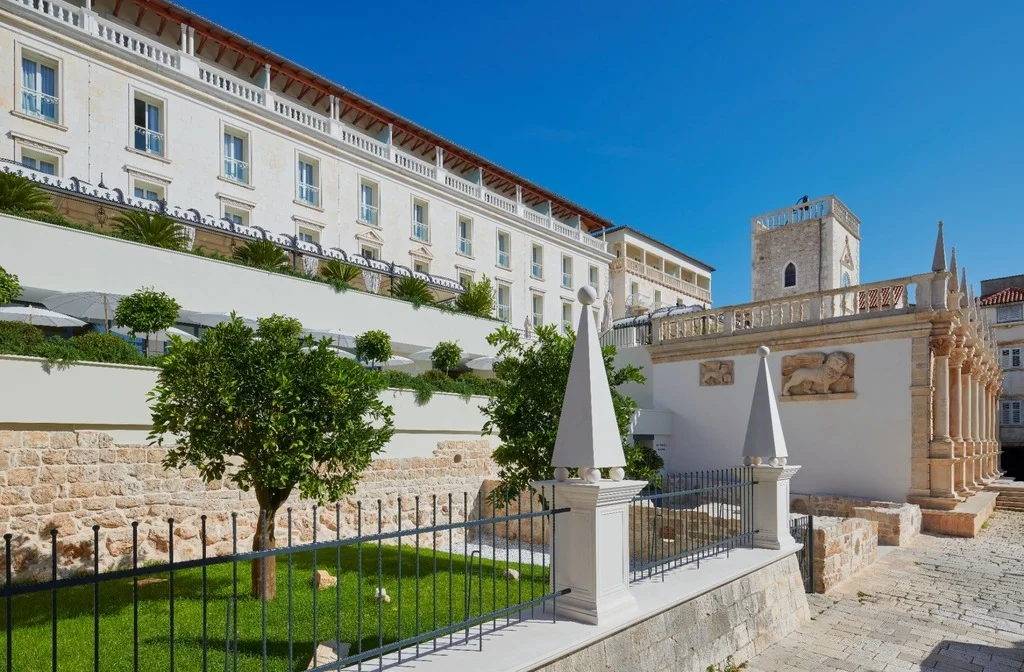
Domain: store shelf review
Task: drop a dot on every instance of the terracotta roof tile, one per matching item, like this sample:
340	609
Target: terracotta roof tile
1008	295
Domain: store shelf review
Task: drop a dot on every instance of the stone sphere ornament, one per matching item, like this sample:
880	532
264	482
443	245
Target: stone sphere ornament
617	473
590	474
587	295
561	474
764	351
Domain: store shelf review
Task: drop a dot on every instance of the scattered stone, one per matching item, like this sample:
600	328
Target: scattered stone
511	574
381	595
324	579
328	651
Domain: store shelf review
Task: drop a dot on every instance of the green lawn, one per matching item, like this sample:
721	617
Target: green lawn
32	613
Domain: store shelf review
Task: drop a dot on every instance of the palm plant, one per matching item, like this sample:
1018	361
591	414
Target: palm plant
339	275
141	226
261	254
414	290
21	196
478	299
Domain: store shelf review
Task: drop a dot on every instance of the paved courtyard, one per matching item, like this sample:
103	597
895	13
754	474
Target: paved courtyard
940	604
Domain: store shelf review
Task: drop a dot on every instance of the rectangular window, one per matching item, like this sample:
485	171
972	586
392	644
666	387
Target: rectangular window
634	288
368	202
566	317
421	267
420	221
595	279
566	271
1010	358
1012	413
465	236
504	250
39	88
537	262
147	191
504	302
538	310
308	181
309	235
236	216
368	252
1010	313
236	156
465	279
44	163
149	129
657	298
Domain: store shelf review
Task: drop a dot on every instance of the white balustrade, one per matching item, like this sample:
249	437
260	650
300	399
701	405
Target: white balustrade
802	212
535	217
565	230
54	9
600	245
465	186
305	117
135	43
499	202
414	165
364	142
230	85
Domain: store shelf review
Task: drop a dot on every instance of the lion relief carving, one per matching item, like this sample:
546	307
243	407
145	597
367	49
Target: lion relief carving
716	373
817	373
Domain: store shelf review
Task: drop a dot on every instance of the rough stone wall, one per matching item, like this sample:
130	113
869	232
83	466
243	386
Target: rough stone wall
836	506
741	619
898	524
70	481
842	547
657	532
773	250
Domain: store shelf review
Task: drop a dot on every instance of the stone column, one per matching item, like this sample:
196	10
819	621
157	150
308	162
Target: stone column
770	506
940	451
979	434
966	423
956	360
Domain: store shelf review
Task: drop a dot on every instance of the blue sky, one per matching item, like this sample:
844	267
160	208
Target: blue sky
686	119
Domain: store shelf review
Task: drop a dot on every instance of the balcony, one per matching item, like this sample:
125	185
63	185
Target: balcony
149	141
804	212
120	38
236	170
39	105
638	268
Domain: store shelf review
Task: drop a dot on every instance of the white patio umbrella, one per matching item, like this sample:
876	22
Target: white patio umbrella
398	360
482	363
39	317
85	305
344	354
341	339
161	335
212	319
422	355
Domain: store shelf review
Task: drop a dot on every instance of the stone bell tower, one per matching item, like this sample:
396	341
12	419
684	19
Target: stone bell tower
808	247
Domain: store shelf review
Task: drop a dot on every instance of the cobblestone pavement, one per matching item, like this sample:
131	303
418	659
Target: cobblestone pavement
941	603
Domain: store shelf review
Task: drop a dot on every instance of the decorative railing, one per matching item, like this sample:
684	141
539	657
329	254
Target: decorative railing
236	170
149	141
421	231
628	337
368	213
891	297
466	246
123	38
655	275
41	105
308	193
803	212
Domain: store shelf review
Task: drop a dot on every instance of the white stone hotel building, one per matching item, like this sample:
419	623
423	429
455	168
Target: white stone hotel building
148	98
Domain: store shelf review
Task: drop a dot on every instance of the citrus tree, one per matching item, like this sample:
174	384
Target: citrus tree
274	412
446	355
374	346
10	287
147	311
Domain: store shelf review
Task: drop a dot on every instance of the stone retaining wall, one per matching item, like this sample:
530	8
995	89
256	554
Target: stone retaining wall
741	619
842	547
898	524
70	481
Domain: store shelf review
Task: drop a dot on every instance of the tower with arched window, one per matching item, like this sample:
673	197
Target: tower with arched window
811	246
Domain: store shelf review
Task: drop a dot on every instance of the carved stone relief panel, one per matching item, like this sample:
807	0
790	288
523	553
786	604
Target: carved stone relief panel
814	373
716	372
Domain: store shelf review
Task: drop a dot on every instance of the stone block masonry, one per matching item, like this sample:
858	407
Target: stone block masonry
842	547
70	481
898	524
741	618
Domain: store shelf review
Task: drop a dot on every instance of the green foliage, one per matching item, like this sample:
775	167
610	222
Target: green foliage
426	384
10	288
374	346
530	380
643	463
23	197
262	254
158	230
478	299
413	290
18	338
446	355
146	311
338	275
97	347
282	410
730	666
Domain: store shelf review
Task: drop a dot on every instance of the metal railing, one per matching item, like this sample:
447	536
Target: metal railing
237	170
421	231
40	105
368	213
504	313
466	246
802	529
628	336
537	270
309	193
424	581
149	141
567	280
684	518
504	260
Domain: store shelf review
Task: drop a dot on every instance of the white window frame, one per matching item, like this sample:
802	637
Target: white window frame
1011	357
656	299
373	249
508	249
566	324
368	214
230	210
1011	313
1011	412
503	311
146	185
157	101
312	188
594	278
39	156
310	231
538	318
417	227
39	58
421	262
463	273
245	163
566	276
464	245
536	267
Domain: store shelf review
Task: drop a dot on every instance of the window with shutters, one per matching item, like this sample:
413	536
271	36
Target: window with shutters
1014	313
1010	358
1012	413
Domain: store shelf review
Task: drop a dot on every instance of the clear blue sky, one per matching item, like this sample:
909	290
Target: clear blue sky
685	119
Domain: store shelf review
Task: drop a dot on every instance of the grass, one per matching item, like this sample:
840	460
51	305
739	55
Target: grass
32	613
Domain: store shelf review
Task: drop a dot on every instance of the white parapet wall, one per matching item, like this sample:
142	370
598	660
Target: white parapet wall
58	259
111	398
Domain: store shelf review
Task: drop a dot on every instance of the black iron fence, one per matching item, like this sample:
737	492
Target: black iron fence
687	517
802	529
389	594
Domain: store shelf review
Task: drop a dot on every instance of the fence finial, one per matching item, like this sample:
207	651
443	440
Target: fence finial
588	436
939	260
765	440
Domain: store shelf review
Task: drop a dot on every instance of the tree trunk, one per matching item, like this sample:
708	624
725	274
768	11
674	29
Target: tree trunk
270	501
